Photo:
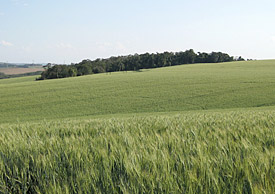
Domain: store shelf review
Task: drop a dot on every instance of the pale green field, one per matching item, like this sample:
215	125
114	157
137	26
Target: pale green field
203	128
212	152
178	88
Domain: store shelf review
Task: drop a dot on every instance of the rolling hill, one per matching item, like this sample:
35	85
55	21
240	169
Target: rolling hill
179	88
201	128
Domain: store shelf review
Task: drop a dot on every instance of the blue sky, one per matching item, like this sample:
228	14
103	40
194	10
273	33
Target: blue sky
71	30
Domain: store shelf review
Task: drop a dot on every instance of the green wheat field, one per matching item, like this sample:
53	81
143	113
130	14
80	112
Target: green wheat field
200	128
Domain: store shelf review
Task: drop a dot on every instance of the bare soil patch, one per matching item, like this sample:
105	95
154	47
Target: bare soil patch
13	71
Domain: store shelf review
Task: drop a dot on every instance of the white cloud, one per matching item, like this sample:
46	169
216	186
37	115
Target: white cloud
16	2
20	3
105	46
273	38
64	46
5	43
26	48
120	46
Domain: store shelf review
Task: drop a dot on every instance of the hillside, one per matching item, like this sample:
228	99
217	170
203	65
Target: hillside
192	87
178	88
8	70
18	70
203	128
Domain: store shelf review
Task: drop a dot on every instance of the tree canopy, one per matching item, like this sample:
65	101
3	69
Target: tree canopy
133	63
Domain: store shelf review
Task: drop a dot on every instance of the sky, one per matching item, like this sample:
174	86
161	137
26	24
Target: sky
68	31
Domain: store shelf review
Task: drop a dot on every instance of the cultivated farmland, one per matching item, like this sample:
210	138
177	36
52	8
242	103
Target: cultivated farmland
201	128
178	88
17	70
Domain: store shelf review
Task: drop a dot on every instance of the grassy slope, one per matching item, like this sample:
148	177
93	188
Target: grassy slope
224	149
178	88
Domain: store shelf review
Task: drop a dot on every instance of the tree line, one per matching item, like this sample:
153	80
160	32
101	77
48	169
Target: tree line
134	63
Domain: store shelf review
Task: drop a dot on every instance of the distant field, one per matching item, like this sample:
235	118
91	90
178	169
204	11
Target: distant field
178	88
13	71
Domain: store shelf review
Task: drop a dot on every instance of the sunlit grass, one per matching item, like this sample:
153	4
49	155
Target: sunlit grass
203	128
222	152
178	88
